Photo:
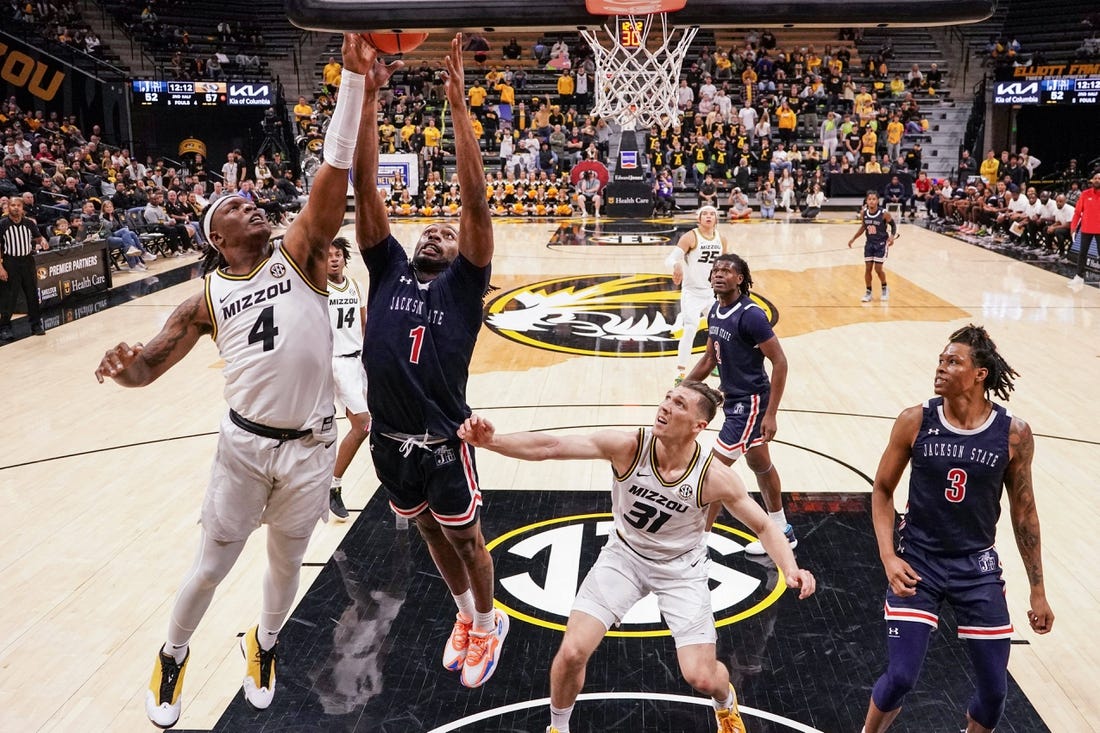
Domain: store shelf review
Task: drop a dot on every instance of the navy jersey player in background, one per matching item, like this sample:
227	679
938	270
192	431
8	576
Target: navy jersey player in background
423	318
964	449
875	221
739	339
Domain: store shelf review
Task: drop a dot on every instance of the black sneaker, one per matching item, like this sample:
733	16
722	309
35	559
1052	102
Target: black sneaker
38	331
336	504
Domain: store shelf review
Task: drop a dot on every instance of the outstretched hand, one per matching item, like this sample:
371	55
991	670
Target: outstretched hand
364	60
477	431
454	80
117	360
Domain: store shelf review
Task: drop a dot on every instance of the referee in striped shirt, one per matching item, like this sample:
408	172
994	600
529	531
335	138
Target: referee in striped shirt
19	237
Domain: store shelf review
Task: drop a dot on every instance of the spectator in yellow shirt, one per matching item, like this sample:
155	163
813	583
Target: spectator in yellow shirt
477	94
787	121
302	113
894	132
990	166
566	85
331	74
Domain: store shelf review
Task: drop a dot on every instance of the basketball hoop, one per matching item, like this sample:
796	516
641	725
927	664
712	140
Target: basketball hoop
636	86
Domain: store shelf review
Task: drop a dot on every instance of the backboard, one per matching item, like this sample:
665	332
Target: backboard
526	15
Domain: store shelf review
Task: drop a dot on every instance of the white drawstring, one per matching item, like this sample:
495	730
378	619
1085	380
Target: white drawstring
413	442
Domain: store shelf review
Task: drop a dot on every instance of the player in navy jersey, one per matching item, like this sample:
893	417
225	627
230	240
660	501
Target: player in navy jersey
423	317
739	339
964	450
874	222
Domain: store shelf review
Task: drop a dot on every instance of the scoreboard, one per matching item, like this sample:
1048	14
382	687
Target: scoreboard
1070	91
168	93
1051	90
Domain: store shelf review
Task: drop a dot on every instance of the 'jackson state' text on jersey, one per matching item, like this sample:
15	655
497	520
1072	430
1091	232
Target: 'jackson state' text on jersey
420	339
345	317
657	518
955	482
698	261
738	330
271	328
875	226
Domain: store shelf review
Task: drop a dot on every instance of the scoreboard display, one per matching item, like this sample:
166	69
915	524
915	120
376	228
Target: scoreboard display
168	93
1052	90
1070	91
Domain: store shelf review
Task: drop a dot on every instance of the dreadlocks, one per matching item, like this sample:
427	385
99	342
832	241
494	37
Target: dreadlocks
999	375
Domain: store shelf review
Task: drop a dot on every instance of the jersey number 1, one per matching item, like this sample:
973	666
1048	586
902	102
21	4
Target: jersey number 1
417	336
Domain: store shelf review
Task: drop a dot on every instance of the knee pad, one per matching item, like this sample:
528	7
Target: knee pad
907	643
990	660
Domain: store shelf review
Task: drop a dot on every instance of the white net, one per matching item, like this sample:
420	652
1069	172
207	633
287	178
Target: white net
635	85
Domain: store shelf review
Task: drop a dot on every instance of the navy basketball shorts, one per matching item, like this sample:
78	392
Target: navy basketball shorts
743	426
440	478
972	584
875	252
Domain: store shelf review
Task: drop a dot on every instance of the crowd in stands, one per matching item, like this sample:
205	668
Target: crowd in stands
57	20
76	187
998	202
756	117
229	48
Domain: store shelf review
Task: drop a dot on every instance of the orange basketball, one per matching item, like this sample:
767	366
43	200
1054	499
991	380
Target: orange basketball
395	44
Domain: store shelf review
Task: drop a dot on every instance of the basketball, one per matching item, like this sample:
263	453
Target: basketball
395	44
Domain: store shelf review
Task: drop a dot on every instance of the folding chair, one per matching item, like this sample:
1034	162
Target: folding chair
153	241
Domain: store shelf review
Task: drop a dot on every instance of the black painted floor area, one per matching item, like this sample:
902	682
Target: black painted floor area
361	652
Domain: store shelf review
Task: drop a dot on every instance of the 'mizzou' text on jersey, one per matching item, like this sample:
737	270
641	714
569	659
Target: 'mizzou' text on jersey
415	305
658	498
262	295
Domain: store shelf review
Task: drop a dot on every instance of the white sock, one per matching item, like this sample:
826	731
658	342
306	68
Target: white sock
179	653
267	638
560	718
485	621
465	603
725	704
779	518
337	482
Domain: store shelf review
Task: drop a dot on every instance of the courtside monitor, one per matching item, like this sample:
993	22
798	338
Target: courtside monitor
525	15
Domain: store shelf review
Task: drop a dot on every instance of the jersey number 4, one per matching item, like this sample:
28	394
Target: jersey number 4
264	329
956	489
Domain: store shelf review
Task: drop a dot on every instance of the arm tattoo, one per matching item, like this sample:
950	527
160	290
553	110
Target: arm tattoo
1021	496
183	321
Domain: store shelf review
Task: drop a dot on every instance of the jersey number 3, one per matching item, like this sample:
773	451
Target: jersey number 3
956	490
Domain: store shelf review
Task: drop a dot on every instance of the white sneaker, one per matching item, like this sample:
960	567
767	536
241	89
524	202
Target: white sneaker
866	297
138	266
885	294
133	251
148	257
1076	282
756	548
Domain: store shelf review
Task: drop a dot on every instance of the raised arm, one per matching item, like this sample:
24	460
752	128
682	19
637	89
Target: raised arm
1025	521
372	223
138	365
902	578
475	225
612	445
310	234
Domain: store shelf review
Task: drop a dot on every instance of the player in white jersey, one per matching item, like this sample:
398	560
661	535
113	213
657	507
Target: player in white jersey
659	543
267	310
690	261
347	310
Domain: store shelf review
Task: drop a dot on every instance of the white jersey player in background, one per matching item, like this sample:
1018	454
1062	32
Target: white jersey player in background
267	311
347	310
691	260
659	542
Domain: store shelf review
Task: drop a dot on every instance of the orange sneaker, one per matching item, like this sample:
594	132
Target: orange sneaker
454	654
729	720
483	654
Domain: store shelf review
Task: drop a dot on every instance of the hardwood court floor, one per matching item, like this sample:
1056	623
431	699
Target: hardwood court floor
100	486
